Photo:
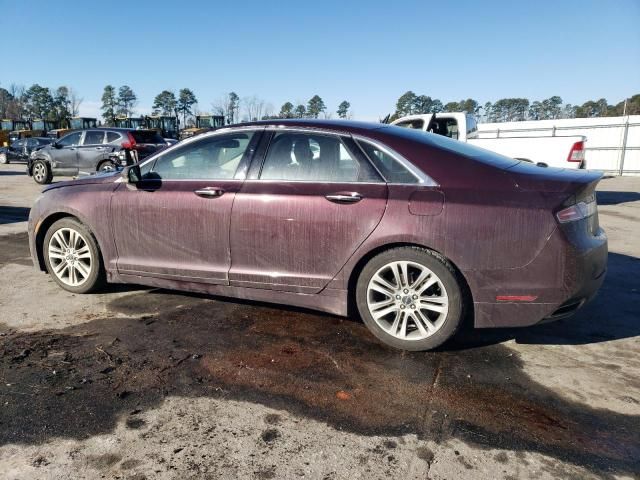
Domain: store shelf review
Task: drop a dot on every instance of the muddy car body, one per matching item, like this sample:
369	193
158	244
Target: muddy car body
414	230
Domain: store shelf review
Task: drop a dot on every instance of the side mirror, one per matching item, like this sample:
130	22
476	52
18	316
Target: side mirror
134	175
56	145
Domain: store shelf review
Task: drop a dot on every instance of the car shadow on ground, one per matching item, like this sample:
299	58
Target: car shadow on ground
10	173
10	214
615	198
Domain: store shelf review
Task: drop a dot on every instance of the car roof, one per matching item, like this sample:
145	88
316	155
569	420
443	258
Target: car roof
338	125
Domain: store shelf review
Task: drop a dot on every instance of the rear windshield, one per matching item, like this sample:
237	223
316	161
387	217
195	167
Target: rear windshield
455	146
147	136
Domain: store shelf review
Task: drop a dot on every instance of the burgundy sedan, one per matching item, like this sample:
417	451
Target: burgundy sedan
413	230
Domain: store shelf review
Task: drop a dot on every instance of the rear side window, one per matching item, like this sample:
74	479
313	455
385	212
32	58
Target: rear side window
391	169
112	137
309	157
147	136
93	137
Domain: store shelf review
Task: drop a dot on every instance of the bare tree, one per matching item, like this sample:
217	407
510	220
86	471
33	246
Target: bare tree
254	107
75	102
229	106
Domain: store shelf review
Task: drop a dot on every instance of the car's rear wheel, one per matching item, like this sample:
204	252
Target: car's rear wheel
410	298
72	256
41	172
4	158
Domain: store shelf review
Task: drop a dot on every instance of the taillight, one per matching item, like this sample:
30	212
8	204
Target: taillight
577	152
577	212
130	143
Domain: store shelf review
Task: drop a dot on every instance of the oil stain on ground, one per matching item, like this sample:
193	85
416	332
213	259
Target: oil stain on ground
78	381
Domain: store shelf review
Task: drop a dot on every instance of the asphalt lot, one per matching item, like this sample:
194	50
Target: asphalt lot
140	383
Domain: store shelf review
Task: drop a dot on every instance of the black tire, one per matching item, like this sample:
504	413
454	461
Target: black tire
448	278
96	277
106	166
41	172
4	159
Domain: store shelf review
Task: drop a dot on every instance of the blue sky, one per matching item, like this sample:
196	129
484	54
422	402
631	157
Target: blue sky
366	52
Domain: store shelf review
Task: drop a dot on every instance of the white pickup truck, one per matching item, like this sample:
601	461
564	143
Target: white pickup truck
563	152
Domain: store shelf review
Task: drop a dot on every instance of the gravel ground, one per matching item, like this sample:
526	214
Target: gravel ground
146	383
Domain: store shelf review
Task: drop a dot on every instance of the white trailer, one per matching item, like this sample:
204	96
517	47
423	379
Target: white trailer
613	143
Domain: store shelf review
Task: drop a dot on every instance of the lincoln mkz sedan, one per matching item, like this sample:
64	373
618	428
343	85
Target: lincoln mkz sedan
415	231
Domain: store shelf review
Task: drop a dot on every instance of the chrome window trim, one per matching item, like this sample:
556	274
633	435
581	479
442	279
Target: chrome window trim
239	174
200	136
423	178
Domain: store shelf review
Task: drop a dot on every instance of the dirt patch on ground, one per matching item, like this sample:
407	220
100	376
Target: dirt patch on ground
77	382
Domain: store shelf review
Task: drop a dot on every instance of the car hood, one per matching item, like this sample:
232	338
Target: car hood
97	178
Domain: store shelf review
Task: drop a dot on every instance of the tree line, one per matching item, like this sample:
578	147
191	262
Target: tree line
38	102
516	109
254	108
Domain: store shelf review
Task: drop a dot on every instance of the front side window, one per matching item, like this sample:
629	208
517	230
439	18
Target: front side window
70	140
215	157
309	157
93	137
391	169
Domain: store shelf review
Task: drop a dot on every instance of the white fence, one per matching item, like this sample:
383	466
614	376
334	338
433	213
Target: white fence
613	143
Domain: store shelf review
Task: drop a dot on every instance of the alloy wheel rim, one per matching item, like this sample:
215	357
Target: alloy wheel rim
107	167
38	172
407	300
70	257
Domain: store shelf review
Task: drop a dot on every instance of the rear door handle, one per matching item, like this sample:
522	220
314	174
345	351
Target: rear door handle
344	197
209	192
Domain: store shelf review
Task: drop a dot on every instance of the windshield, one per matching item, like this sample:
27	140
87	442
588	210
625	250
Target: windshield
7	125
206	122
38	125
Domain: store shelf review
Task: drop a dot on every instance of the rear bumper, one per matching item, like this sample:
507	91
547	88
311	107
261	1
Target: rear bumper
563	278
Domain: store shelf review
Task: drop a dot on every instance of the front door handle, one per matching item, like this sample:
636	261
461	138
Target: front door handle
344	197
209	192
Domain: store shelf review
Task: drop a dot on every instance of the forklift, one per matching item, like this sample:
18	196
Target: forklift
76	123
203	124
165	125
137	123
21	129
44	126
6	126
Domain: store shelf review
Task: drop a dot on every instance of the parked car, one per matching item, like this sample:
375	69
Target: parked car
413	229
20	150
557	151
90	151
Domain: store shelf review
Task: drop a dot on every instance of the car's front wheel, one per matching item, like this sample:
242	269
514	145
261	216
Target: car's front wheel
41	172
4	158
72	256
107	166
410	298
